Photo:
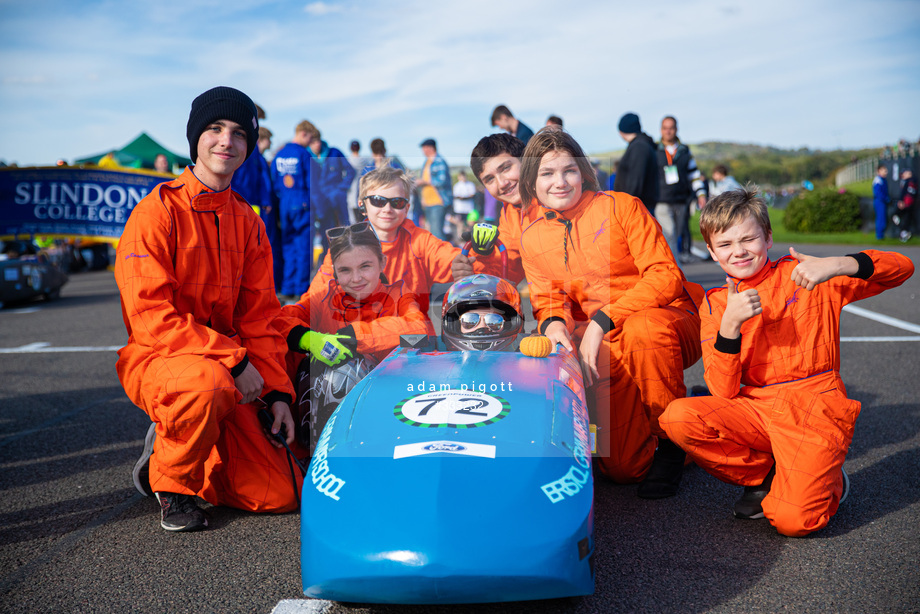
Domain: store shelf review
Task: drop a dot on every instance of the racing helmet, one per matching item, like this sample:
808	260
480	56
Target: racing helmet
320	389
477	292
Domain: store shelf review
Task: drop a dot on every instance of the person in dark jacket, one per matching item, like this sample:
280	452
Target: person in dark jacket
637	172
253	181
678	184
906	205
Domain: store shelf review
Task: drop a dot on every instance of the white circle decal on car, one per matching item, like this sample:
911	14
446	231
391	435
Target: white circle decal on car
452	409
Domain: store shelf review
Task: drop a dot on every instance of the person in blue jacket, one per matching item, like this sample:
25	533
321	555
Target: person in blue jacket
291	179
880	200
253	182
435	191
329	197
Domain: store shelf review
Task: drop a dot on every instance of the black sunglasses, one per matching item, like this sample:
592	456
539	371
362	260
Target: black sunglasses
381	201
338	231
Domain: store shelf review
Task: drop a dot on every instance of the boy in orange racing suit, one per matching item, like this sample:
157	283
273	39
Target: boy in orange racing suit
194	269
414	256
779	421
496	162
601	274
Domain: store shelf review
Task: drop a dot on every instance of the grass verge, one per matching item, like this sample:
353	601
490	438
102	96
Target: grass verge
781	235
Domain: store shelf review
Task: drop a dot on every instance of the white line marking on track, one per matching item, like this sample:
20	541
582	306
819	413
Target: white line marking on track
871	315
42	347
879	339
303	606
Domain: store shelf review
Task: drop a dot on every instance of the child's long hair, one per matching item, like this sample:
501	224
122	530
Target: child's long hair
547	140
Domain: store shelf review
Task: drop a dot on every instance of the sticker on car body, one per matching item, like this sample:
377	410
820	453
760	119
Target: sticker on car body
450	447
460	409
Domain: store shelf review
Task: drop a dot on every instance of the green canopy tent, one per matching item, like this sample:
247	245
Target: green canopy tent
140	153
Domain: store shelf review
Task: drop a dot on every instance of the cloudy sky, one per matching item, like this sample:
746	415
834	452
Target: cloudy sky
82	77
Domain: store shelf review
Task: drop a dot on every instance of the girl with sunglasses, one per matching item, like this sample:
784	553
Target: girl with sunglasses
603	279
413	255
359	312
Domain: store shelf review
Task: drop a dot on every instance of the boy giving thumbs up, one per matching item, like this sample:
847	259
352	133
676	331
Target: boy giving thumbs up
779	422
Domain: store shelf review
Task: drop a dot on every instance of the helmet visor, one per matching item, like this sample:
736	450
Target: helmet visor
472	321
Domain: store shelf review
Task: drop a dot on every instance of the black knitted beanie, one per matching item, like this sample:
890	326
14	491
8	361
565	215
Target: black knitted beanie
222	103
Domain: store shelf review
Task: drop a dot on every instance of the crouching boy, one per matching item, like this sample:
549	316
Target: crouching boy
779	421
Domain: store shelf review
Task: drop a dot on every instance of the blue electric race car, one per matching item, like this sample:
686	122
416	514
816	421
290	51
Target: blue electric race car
453	477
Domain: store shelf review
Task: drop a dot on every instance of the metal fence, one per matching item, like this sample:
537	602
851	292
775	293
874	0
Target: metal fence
861	170
865	169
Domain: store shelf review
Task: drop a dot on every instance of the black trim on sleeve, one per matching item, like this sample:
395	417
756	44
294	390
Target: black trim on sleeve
866	266
727	346
238	369
276	395
352	342
604	321
293	338
548	321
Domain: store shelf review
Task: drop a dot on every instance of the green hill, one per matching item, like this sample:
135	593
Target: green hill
767	166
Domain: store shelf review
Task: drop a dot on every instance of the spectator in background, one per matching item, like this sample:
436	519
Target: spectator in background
679	182
330	193
491	208
637	170
554	120
358	163
722	181
108	161
291	181
161	164
379	158
253	182
880	201
434	186
464	191
602	177
907	204
502	117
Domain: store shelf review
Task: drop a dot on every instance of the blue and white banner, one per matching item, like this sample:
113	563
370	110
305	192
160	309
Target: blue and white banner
70	201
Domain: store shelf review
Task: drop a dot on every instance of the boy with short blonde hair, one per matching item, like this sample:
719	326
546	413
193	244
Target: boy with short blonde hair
382	177
779	421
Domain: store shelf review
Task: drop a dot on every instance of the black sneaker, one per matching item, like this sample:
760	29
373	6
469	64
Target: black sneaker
664	475
142	466
749	506
699	391
180	512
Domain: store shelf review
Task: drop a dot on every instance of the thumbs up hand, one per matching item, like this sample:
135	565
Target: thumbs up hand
739	308
811	271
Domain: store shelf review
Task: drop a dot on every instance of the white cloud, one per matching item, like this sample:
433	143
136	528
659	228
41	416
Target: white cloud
322	8
82	77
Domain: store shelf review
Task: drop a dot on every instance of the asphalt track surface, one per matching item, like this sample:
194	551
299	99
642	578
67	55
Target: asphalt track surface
75	536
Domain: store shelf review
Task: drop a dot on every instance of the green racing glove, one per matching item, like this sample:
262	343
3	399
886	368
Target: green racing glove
327	349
